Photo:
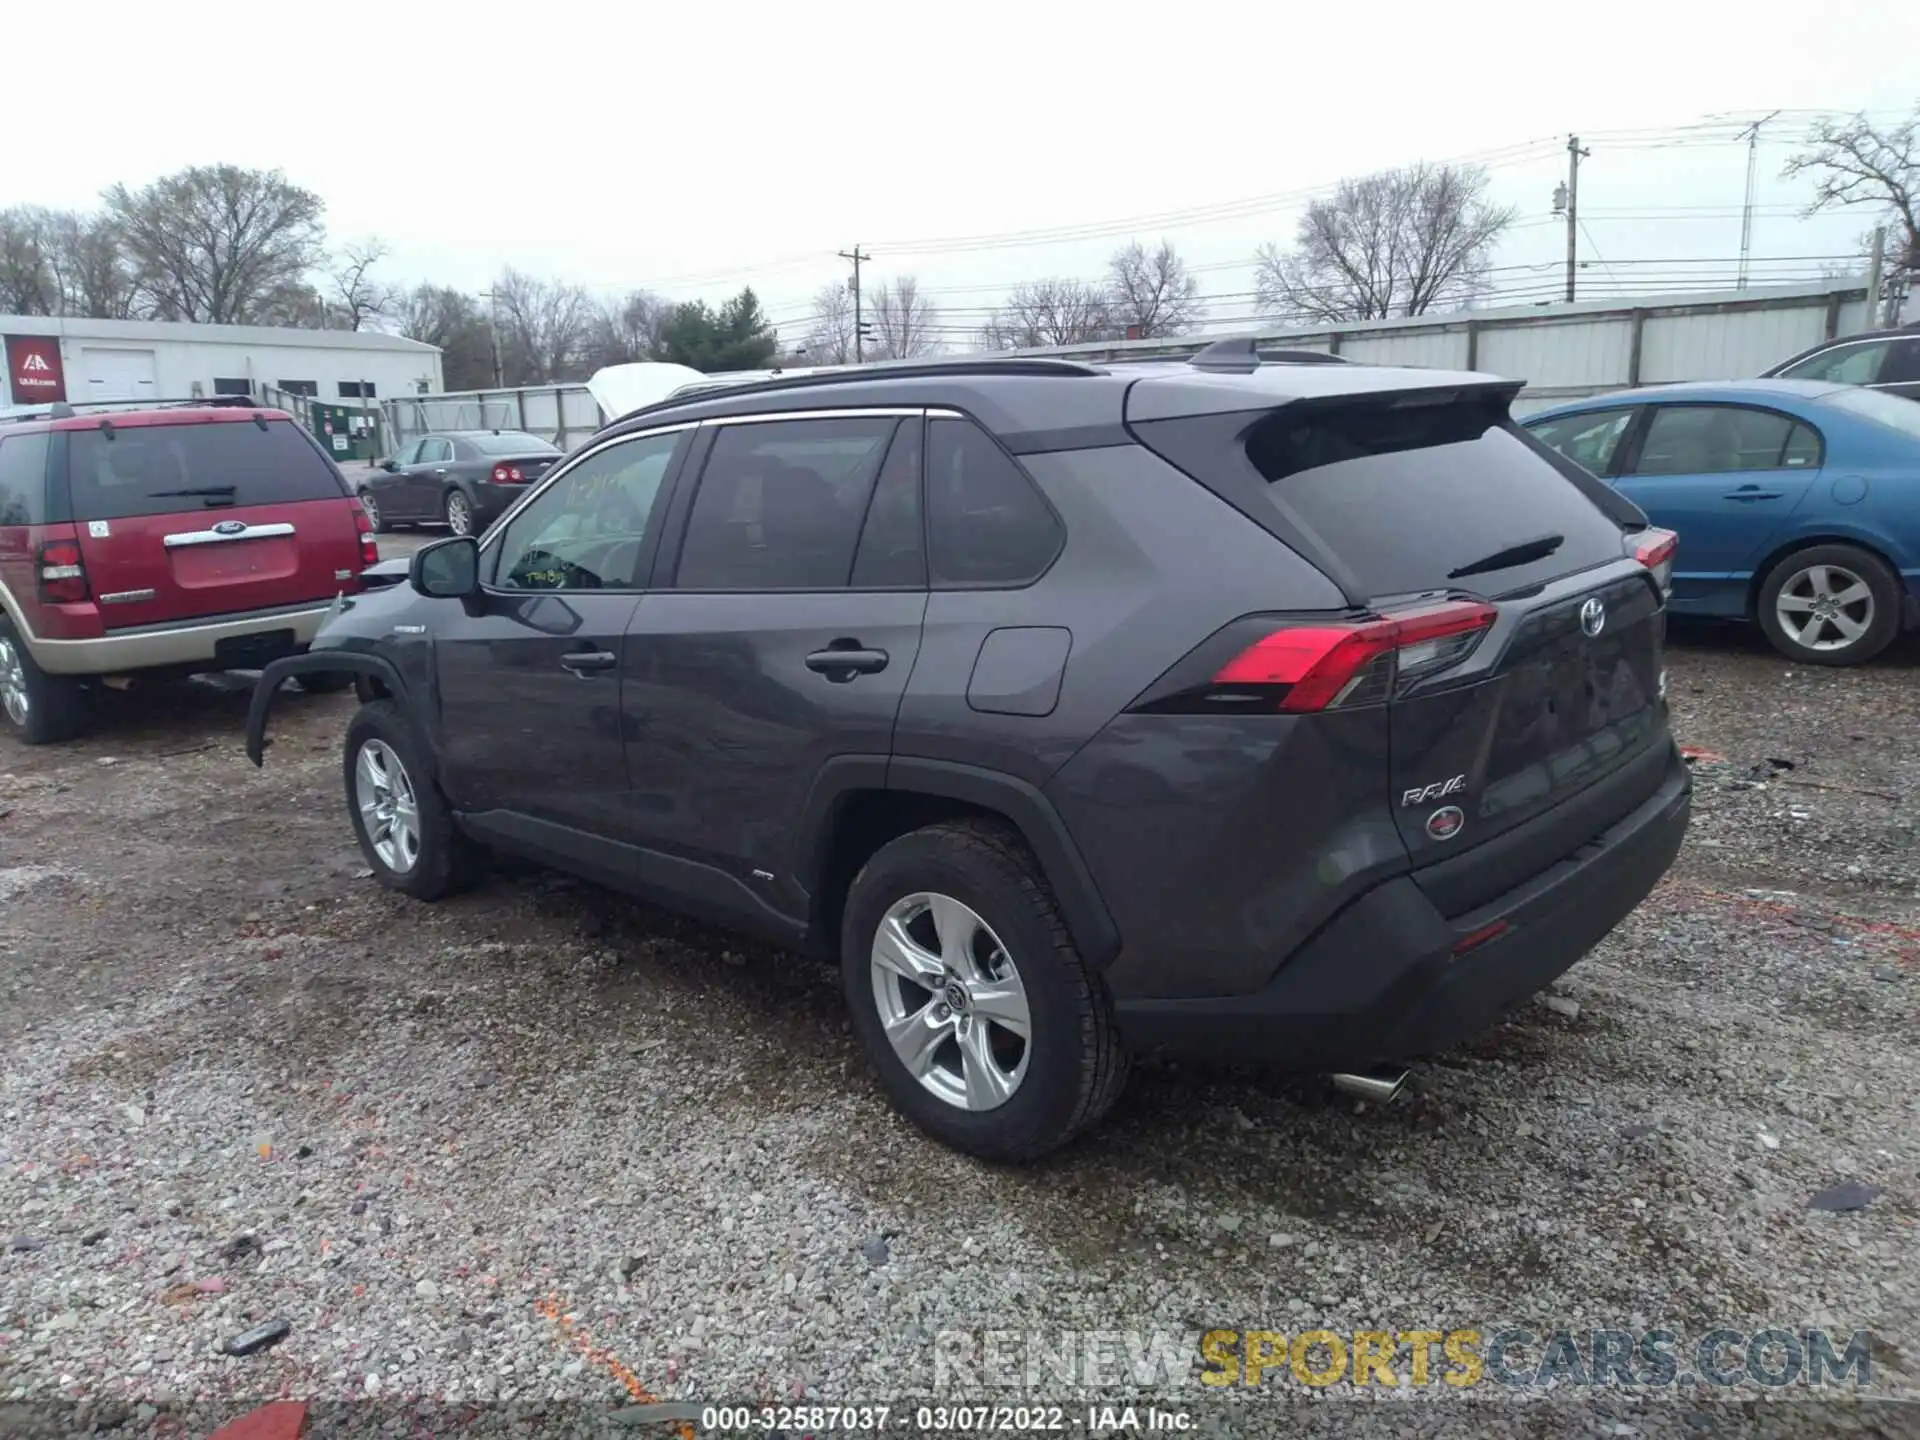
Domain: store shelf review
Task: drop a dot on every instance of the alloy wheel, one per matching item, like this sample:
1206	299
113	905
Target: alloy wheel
13	682
388	808
1825	607
951	1001
459	514
372	507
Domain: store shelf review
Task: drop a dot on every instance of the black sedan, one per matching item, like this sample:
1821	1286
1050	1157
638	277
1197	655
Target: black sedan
460	478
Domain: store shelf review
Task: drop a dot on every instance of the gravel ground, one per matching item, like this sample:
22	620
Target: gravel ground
537	1145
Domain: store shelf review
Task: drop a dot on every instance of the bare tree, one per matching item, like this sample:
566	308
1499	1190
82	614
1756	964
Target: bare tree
217	243
620	332
1151	294
1856	165
357	296
442	316
94	274
903	321
29	284
829	337
1048	312
1396	243
543	326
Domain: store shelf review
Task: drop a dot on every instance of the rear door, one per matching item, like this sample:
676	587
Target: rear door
1724	478
207	514
783	639
1447	499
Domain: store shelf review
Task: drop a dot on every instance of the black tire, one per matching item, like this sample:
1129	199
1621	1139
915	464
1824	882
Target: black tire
445	859
324	682
374	513
1792	572
452	505
1075	1065
56	705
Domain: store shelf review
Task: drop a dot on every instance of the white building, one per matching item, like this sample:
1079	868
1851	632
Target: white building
52	357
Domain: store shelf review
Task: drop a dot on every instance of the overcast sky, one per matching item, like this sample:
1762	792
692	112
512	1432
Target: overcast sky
690	149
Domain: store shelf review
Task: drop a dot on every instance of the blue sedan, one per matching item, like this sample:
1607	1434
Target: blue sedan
1797	502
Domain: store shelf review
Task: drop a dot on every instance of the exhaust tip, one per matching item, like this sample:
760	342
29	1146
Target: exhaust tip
1379	1086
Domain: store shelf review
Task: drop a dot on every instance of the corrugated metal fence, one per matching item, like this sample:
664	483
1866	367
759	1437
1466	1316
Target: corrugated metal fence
1562	351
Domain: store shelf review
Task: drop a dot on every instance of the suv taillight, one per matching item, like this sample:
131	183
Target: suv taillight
369	547
1274	665
1655	549
63	576
508	475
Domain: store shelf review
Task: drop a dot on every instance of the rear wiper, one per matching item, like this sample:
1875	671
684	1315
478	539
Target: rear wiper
198	490
1524	553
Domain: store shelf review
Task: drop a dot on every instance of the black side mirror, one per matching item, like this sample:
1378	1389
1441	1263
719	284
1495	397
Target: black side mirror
447	569
390	465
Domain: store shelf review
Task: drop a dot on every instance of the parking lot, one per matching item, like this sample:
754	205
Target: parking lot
539	1142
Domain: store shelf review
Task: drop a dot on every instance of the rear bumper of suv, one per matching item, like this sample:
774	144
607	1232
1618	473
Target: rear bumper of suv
1389	977
239	642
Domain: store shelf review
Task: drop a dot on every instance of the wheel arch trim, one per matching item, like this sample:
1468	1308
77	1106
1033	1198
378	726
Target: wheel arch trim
267	688
1022	805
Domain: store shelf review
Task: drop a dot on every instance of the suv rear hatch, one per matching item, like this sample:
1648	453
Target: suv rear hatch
196	514
1504	617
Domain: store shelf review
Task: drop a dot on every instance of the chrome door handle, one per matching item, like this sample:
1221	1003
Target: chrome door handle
587	662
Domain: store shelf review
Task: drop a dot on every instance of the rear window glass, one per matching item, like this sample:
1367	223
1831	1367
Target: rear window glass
510	442
159	469
1409	498
1895	412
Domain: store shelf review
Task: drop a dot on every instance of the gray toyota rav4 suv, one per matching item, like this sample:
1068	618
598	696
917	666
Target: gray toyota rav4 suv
1298	714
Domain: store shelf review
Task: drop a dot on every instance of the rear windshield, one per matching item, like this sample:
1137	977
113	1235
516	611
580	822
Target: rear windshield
1895	412
510	442
1427	497
159	469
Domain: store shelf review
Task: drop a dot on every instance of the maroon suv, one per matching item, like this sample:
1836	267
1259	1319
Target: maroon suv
162	541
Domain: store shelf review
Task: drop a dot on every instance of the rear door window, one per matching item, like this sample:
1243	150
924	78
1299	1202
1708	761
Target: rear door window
1722	439
1421	497
23	479
162	469
1589	438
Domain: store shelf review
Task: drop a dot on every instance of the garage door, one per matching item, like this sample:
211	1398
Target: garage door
117	374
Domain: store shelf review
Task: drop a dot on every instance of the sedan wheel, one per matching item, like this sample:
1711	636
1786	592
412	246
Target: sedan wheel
1830	605
1825	607
372	507
951	1001
388	808
459	513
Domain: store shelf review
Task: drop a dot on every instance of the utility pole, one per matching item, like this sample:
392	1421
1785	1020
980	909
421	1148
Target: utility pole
493	337
1574	156
1752	132
1875	261
859	325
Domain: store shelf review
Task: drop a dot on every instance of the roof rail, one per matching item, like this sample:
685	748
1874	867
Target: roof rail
1242	354
1032	366
67	409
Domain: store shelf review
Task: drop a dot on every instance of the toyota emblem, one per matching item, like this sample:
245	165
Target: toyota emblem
230	527
1593	617
1446	822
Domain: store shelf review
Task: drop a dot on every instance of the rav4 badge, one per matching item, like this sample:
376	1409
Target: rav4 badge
1438	790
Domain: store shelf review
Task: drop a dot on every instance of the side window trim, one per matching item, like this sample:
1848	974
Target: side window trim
494	543
1638	434
693	470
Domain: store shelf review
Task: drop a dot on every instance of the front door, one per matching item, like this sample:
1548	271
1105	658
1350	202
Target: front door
784	640
425	478
1724	478
531	678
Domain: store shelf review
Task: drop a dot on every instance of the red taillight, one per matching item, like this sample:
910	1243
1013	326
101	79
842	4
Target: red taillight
508	475
1655	549
1474	939
1325	666
63	576
369	547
